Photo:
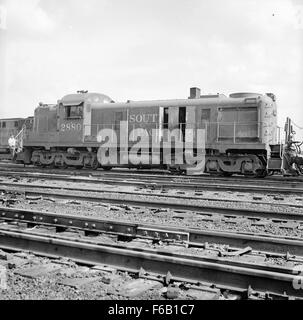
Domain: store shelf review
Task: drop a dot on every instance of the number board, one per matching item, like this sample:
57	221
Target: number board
70	126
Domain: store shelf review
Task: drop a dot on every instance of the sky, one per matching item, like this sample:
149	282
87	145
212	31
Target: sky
150	49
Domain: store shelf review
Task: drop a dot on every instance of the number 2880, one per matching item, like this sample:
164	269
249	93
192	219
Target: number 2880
71	127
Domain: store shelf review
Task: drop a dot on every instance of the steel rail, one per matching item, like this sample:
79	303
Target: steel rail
161	174
218	272
190	236
177	183
139	175
158	195
155	203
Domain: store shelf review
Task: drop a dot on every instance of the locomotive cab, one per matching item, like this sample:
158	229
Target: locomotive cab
58	134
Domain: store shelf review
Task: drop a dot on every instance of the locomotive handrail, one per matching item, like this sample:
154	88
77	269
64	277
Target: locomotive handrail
20	133
233	129
111	125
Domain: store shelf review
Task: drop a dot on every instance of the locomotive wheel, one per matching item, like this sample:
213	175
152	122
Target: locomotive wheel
95	165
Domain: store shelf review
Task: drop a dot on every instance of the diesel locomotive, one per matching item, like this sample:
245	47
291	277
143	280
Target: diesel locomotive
239	132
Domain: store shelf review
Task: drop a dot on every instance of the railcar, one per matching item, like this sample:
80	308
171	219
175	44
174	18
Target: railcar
8	128
237	132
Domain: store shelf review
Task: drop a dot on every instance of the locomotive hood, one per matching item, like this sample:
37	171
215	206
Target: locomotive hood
77	99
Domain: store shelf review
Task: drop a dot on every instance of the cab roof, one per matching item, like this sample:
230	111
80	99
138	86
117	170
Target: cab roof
79	98
12	119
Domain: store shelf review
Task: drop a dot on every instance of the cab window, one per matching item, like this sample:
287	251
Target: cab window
3	124
74	112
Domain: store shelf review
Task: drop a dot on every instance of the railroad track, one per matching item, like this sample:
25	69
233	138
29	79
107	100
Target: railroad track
151	201
149	174
104	280
172	183
189	236
162	195
222	271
